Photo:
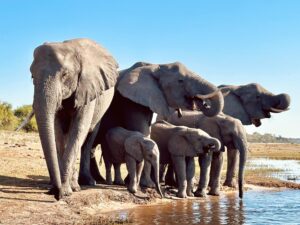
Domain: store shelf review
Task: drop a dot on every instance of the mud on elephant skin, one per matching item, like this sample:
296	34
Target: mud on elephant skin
133	148
69	79
251	103
231	134
145	88
179	145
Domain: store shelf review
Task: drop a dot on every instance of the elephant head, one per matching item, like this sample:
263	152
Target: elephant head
139	147
192	142
250	103
160	86
77	70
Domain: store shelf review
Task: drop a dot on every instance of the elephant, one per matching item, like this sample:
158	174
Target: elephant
142	90
250	104
179	145
73	86
133	148
230	132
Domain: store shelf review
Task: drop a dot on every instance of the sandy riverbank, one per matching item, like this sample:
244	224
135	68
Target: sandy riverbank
24	183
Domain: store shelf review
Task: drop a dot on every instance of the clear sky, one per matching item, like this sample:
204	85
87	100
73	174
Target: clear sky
227	42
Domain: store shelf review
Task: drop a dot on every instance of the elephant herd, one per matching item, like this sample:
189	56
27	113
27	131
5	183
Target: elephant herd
82	100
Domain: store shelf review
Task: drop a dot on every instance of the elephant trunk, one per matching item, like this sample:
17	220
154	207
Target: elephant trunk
45	106
241	145
212	105
155	166
284	102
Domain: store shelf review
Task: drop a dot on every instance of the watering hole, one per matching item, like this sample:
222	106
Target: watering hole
259	206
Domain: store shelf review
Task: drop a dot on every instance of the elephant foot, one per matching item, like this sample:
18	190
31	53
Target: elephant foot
214	192
190	194
230	183
200	193
119	182
132	190
181	194
75	186
148	183
57	192
84	179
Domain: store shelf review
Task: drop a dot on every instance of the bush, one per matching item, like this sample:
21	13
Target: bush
21	113
8	121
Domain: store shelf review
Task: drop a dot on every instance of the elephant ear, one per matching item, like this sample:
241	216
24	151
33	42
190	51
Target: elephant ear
179	144
133	147
233	104
98	71
139	84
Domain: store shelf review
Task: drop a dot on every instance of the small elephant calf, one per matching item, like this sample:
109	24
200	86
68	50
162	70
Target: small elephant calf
179	145
132	148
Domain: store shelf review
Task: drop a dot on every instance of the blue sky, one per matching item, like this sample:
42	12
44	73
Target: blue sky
227	42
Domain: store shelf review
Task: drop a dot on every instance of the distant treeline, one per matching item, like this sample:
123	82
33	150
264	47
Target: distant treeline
270	138
10	119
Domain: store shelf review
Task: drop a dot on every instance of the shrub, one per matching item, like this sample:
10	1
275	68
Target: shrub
21	113
8	121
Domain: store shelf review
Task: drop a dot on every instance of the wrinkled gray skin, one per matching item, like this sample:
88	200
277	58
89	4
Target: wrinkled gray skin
133	148
73	86
250	104
181	144
146	88
231	134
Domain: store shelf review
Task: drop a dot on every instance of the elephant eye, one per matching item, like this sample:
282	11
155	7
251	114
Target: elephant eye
64	74
180	81
258	97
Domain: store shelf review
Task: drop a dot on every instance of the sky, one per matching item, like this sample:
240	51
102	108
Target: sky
226	42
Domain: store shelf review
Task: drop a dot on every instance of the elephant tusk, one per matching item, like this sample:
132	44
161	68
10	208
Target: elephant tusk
210	95
274	110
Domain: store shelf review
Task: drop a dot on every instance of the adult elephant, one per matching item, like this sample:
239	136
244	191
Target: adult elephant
230	132
250	104
73	86
146	88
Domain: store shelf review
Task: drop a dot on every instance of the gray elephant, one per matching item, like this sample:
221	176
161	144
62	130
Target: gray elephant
250	104
146	88
133	148
73	86
231	134
180	145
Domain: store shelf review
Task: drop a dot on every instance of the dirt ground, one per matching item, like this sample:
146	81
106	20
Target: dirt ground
24	182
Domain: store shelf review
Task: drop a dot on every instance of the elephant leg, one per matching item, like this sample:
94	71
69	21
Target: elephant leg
139	170
85	175
95	171
180	170
204	162
232	161
170	176
162	172
190	173
146	180
118	177
77	134
108	166
215	173
132	171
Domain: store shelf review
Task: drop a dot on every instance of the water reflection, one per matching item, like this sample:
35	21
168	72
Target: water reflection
257	207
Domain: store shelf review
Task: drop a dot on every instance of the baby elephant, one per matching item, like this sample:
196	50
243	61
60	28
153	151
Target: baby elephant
132	148
179	145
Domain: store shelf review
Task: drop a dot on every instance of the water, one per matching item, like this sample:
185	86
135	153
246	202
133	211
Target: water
290	169
257	207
